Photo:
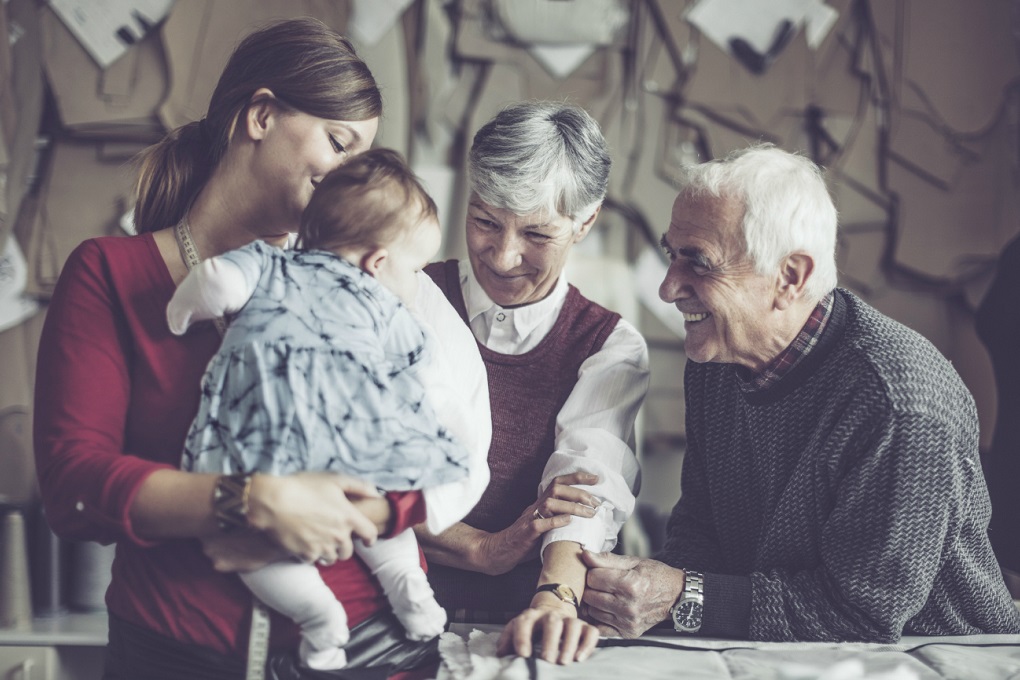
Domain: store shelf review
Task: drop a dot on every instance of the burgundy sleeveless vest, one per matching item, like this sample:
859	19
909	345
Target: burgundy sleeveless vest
526	392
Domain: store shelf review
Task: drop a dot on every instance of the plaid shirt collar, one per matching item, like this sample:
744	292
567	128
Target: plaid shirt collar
801	346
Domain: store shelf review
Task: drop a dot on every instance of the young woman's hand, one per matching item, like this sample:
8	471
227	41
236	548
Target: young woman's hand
310	514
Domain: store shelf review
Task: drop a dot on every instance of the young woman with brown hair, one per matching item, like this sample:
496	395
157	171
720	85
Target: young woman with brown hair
116	391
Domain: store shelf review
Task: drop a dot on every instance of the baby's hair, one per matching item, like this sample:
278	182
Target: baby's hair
365	203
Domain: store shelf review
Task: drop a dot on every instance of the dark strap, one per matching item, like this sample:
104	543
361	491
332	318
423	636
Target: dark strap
377	649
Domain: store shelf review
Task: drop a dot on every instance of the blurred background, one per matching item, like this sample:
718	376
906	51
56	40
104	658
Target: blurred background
912	107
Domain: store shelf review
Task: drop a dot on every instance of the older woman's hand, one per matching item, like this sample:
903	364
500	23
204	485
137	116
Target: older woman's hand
553	626
311	514
562	499
504	550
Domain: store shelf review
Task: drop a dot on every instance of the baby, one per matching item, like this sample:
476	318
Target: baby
320	370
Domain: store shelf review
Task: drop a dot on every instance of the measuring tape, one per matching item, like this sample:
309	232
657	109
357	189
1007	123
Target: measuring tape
258	638
258	641
182	234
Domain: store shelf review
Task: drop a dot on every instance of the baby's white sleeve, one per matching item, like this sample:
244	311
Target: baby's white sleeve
213	288
457	388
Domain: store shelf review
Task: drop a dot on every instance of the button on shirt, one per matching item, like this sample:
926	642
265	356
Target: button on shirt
595	427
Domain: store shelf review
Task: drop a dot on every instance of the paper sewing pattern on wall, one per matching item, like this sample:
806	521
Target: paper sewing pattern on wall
560	34
107	28
756	32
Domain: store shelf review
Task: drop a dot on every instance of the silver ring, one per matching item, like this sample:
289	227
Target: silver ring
537	514
323	562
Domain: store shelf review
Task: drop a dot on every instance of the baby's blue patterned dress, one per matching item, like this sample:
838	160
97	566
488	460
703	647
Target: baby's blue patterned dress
317	372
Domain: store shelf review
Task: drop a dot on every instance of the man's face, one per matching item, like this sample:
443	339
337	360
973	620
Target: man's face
728	307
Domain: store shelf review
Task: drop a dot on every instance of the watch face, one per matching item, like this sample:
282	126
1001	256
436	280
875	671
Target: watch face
687	615
566	593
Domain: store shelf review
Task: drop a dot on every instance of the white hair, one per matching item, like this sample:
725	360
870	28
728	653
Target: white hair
787	208
541	156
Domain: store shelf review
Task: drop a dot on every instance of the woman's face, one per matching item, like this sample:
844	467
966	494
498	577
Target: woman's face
295	151
518	259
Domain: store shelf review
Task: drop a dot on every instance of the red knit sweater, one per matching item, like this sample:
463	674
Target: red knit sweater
115	394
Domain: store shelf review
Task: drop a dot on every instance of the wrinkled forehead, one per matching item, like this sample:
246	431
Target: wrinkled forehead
707	218
724	213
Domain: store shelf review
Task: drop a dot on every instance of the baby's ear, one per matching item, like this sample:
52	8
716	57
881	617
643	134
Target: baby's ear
372	261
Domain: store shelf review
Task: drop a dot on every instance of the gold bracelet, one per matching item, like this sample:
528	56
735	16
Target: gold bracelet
230	501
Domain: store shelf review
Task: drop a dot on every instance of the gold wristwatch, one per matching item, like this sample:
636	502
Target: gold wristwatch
564	592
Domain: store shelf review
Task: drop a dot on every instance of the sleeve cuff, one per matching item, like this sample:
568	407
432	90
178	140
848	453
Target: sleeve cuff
407	508
590	532
727	606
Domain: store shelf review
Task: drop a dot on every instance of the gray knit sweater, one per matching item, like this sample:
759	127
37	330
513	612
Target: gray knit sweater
845	502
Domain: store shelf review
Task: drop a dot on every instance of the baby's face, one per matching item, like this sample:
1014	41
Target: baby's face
408	254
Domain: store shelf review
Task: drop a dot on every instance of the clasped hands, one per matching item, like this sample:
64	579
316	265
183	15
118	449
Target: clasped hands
314	516
625	596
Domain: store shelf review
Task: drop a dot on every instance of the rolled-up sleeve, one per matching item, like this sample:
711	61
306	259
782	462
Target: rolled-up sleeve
82	398
595	433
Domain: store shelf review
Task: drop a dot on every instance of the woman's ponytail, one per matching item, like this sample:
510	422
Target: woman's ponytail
170	174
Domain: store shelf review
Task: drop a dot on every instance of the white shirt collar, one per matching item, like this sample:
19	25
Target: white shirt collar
482	311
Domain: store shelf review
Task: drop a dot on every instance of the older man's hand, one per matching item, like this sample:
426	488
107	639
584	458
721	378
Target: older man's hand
628	595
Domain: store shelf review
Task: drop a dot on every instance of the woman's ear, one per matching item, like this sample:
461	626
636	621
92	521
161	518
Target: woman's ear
257	116
794	272
587	225
371	261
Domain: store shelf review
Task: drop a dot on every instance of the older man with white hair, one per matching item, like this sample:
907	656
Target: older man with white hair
831	488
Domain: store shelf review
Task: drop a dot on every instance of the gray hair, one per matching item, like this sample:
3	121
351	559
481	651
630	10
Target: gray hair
541	156
787	208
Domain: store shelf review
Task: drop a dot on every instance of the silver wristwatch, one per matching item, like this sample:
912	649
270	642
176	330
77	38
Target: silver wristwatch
688	610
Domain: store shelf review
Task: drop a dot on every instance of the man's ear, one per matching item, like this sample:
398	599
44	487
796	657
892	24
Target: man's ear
587	225
260	108
372	261
794	272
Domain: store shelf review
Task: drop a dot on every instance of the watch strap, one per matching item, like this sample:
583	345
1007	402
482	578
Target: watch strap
694	584
693	593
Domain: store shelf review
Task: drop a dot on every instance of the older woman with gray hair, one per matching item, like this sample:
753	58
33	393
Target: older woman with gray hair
566	380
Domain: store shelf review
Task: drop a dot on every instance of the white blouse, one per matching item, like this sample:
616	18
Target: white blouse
595	427
458	391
